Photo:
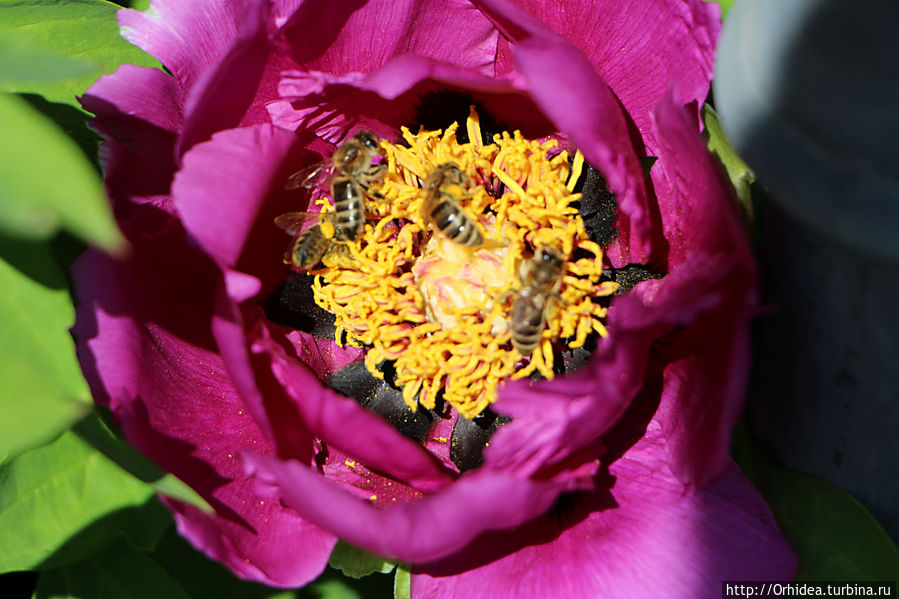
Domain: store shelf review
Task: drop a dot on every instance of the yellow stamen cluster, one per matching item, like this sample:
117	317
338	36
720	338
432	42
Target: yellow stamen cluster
440	311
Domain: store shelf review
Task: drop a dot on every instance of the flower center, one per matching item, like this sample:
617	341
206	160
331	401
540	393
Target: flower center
473	267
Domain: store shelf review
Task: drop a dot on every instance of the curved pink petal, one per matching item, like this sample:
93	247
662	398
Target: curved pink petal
186	37
692	189
573	96
264	398
388	98
145	345
139	116
220	207
700	218
363	36
554	422
322	356
641	47
223	185
342	422
227	93
695	319
642	537
433	527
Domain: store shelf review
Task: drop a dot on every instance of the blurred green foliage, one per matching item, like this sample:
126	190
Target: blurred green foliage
833	534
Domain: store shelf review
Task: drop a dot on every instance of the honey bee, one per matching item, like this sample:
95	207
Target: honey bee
309	246
350	172
540	282
444	187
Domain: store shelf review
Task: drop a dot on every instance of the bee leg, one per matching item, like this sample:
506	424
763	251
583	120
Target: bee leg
554	299
505	295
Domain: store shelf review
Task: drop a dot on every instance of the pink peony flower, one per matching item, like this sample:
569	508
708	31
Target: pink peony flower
612	481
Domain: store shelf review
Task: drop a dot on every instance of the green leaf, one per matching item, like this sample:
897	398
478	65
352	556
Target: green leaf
95	431
46	182
725	6
203	578
144	527
81	29
402	583
174	488
21	62
835	536
61	502
334	589
741	176
357	563
43	391
119	572
135	4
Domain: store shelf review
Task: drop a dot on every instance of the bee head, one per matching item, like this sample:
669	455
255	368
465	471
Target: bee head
550	257
369	140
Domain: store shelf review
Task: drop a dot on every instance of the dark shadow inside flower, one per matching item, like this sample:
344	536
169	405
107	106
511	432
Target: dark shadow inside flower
439	108
471	436
292	305
331	107
379	396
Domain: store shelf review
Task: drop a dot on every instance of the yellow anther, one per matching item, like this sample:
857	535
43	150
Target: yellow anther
473	125
577	168
441	311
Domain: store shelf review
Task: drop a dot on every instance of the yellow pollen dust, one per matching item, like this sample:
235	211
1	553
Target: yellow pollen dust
441	311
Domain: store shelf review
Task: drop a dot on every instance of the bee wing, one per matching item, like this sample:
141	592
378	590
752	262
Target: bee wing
292	222
311	176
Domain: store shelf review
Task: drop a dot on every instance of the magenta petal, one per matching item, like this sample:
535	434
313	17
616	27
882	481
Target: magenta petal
342	422
641	47
362	37
430	528
645	538
323	356
187	37
223	184
139	116
144	342
700	218
224	93
330	105
692	189
555	421
286	552
579	103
